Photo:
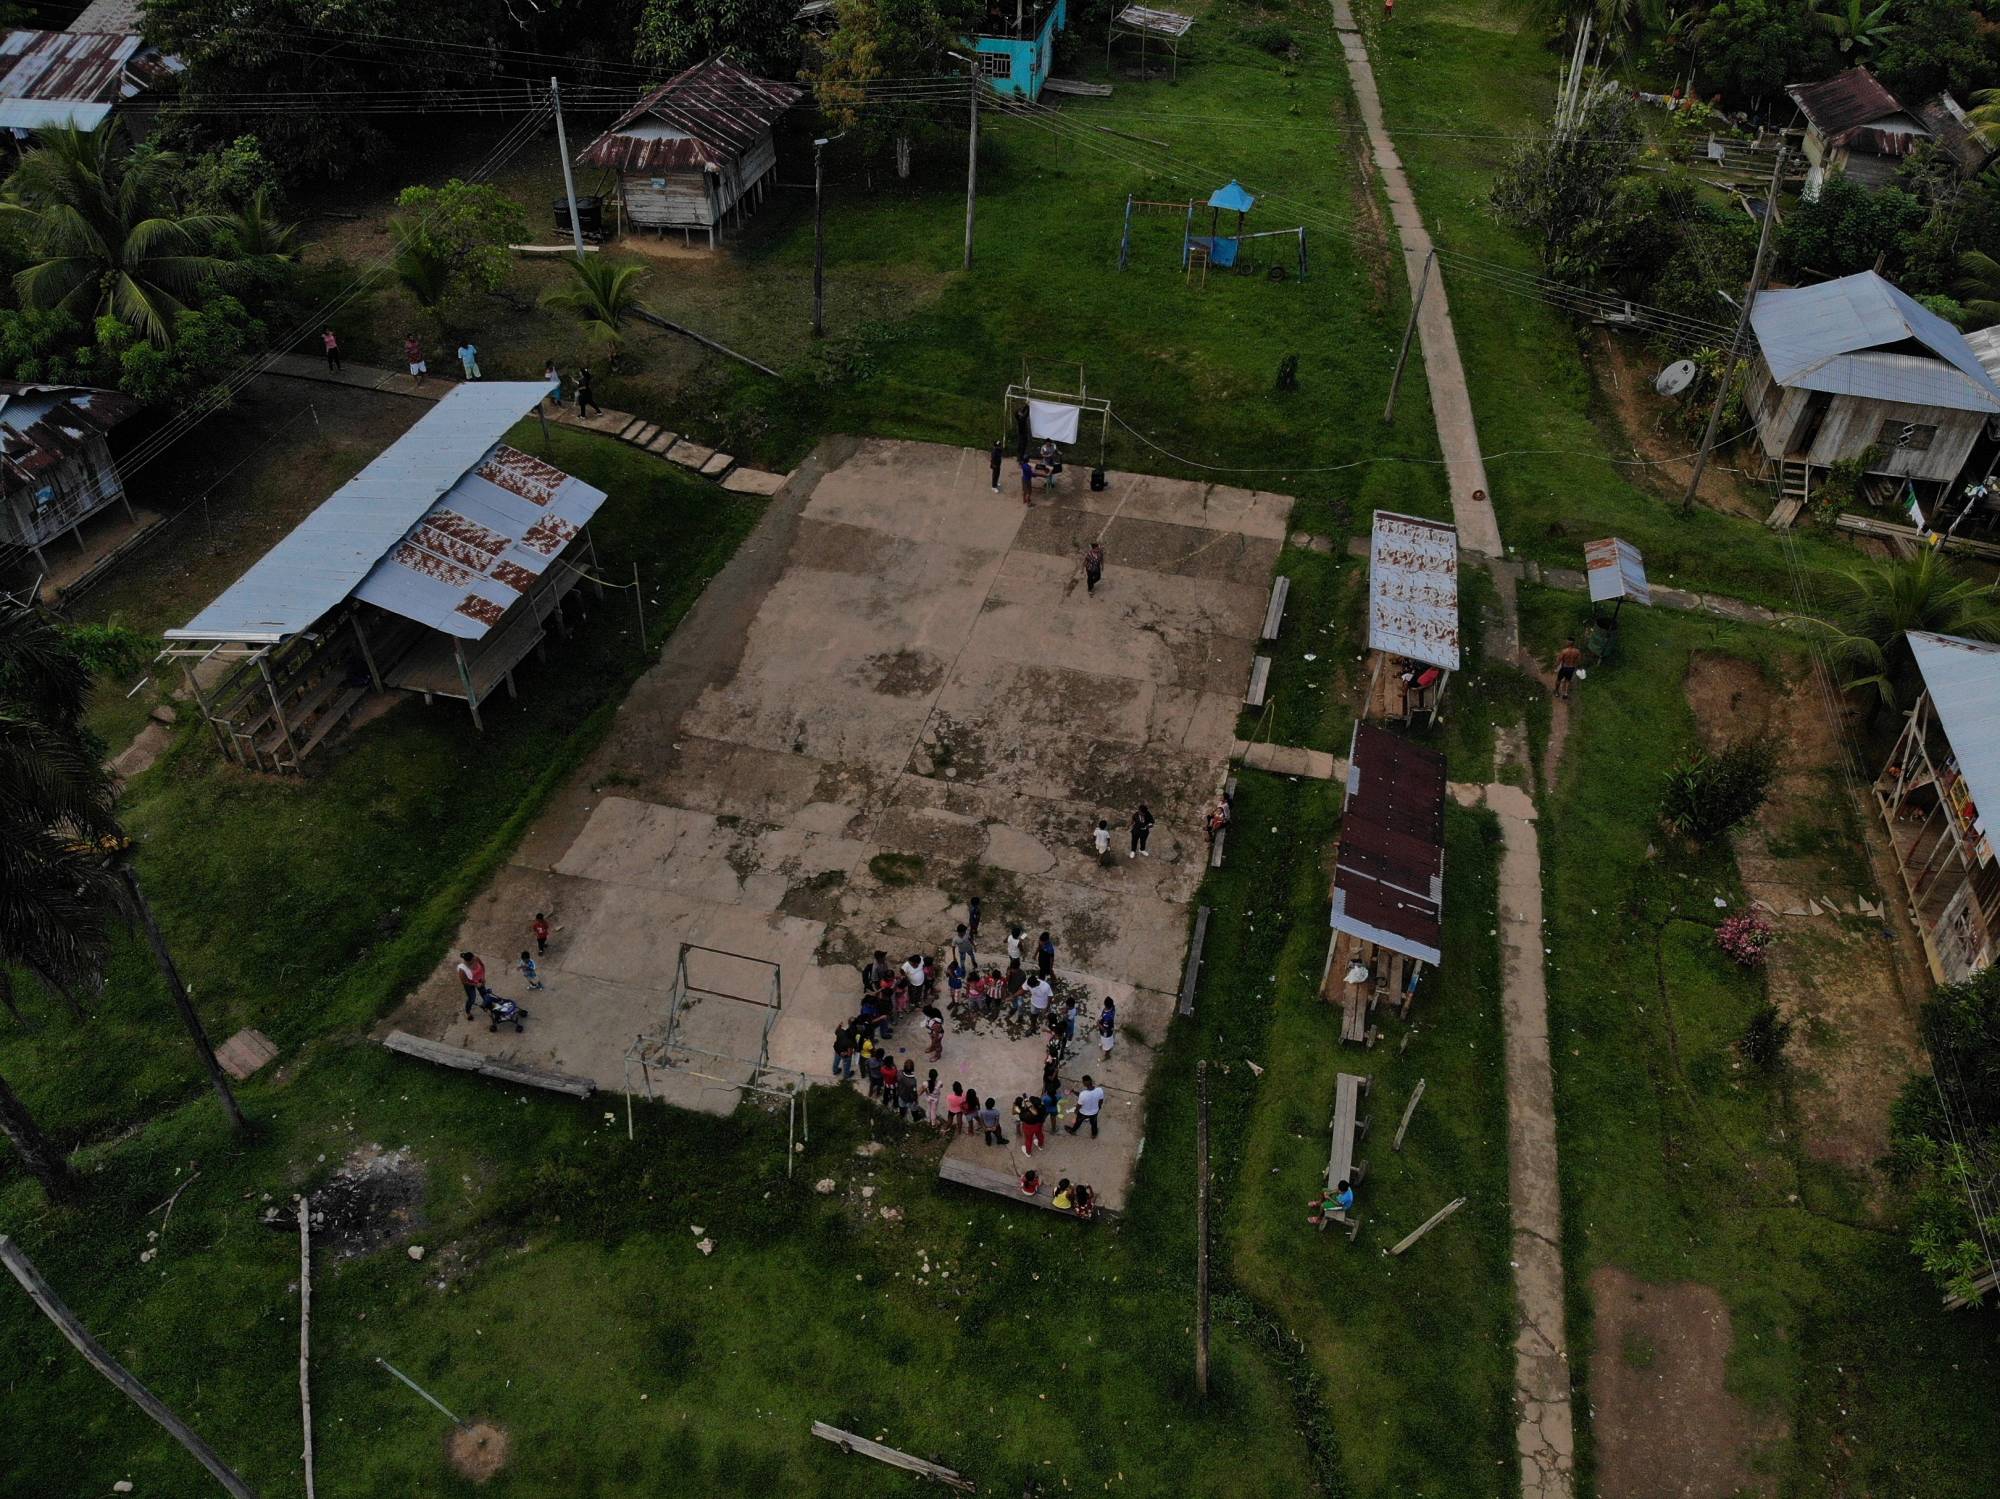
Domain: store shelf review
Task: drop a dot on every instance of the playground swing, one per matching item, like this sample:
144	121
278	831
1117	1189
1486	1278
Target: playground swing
1230	252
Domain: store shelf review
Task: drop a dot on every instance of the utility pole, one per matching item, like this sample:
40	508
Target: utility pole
819	245
569	177
93	1351
971	158
1402	355
1201	1228
1736	339
178	991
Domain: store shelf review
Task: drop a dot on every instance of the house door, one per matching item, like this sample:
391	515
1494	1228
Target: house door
1807	431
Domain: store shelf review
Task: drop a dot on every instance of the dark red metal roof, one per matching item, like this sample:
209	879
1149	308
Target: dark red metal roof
79	413
87	65
1843	101
717	110
1389	881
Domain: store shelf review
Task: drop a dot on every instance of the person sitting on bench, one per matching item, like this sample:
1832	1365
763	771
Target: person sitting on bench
1218	817
1332	1203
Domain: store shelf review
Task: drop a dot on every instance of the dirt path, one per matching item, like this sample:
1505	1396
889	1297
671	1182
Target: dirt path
1544	1432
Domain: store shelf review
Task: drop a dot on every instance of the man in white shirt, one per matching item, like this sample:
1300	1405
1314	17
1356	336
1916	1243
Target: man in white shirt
1102	838
1088	1103
1040	993
918	972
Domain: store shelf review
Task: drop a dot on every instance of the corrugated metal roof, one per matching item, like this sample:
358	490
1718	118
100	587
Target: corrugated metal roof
39	114
1166	22
107	15
704	116
1388	882
1985	346
1963	678
1615	571
1854	336
46	424
85	66
1946	122
1413	589
328	554
1843	101
480	547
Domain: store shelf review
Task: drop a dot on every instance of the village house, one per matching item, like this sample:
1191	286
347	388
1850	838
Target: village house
697	152
1854	369
1014	55
1855	127
74	77
55	465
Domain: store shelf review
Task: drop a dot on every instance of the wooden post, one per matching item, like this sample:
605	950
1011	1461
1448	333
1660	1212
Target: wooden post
1409	332
1408	1109
847	1441
277	707
971	158
638	599
93	1352
305	1334
1201	1227
183	1005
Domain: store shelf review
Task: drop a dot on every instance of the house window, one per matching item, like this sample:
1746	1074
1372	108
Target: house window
996	65
1916	436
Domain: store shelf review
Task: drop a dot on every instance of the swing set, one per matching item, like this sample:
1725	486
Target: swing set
1228	251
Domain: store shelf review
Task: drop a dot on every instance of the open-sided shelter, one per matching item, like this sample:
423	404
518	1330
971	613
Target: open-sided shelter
1937	793
1412	614
435	570
697	150
55	464
1388	878
1150	28
1856	369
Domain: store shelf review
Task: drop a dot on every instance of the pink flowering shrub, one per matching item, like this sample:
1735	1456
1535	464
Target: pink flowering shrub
1744	938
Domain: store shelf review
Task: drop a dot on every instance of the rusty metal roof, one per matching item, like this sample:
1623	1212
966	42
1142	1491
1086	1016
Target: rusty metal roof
1413	589
87	66
705	116
1388	882
1947	124
1843	101
41	426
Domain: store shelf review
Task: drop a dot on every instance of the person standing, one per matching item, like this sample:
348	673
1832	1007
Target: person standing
552	378
989	1121
414	353
540	927
843	1050
468	359
1021	434
930	1098
1107	1028
1142	829
1088	1104
332	347
887	1080
1045	956
917	972
906	1089
1101	839
1093	566
1016	943
1567	661
584	399
1027	482
954	1107
935	1026
1029	1111
961	942
997	457
472	974
972	918
530	972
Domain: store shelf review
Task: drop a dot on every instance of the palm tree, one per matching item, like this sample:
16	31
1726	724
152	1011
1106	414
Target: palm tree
1876	606
256	233
601	295
1855	27
101	236
1978	286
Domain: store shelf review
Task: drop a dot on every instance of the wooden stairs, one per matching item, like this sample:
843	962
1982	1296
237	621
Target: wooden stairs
1794	485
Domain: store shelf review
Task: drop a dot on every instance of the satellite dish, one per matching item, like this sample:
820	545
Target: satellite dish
1675	378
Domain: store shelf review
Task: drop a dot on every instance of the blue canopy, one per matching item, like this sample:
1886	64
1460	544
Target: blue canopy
1231	197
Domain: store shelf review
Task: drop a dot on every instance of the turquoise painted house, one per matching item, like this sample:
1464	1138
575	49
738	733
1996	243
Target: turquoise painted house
1019	63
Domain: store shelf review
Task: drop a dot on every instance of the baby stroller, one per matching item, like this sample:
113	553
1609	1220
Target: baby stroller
501	1012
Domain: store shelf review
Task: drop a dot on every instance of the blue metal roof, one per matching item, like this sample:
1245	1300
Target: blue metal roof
1853	337
1232	198
1963	679
328	554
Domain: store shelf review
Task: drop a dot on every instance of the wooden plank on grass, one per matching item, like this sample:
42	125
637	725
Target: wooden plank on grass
1408	1109
847	1441
1274	614
1428	1224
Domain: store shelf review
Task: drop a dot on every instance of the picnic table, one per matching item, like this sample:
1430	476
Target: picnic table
1348	1129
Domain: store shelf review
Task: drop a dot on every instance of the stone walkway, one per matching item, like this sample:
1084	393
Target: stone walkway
1544	1434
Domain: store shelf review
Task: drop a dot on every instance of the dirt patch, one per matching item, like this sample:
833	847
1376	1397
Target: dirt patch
1665	1426
1730	698
374	1199
477	1450
905	673
1838	973
1624	376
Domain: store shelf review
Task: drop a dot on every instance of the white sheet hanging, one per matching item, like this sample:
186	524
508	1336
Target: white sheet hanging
1053	419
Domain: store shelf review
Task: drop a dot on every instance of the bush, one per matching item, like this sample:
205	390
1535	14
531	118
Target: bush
1764	1038
110	649
1271	38
1707	795
1744	938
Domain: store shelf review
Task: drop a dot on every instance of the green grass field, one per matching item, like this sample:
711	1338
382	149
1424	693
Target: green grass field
1681	1162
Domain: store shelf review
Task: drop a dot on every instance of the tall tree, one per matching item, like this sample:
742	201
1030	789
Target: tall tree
876	40
761	34
101	236
1856	29
452	241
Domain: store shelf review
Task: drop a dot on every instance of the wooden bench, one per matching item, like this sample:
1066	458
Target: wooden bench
1192	973
1222	834
1274	614
1349	1129
1260	679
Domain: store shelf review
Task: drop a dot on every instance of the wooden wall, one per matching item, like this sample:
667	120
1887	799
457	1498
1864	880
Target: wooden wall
1851	424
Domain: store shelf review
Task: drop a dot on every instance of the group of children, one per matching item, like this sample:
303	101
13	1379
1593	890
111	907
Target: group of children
471	971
